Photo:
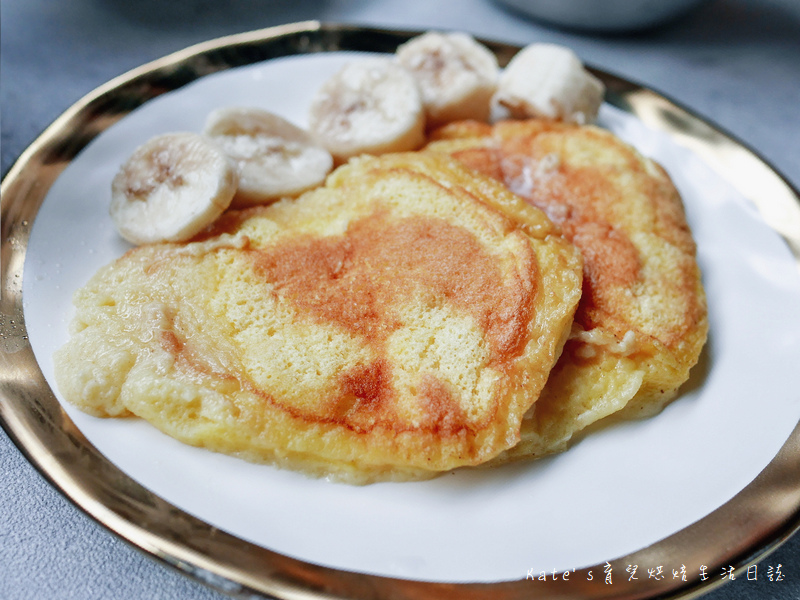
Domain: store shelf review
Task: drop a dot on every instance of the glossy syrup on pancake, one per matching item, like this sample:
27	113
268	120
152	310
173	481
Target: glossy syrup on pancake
394	324
641	322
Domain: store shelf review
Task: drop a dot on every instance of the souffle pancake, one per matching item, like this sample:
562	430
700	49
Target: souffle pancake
395	323
641	322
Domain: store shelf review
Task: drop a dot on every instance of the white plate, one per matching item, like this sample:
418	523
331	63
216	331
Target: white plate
619	490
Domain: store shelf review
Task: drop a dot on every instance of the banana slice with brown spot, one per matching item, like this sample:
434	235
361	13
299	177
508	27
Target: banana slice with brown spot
274	158
171	188
456	75
371	106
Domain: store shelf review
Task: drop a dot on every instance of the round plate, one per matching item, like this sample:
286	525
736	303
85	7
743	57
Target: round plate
740	532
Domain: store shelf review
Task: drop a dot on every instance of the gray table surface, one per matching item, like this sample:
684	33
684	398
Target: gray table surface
736	62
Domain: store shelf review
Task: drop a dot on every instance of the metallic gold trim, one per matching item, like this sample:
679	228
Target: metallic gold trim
765	513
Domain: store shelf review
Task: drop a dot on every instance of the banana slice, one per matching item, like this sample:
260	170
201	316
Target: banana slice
549	81
274	158
171	188
456	75
369	107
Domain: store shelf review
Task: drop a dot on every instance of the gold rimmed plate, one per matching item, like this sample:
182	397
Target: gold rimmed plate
711	483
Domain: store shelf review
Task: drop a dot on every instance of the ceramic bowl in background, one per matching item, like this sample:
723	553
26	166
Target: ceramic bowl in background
609	16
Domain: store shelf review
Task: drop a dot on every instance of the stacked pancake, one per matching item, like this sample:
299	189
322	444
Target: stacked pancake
641	322
396	323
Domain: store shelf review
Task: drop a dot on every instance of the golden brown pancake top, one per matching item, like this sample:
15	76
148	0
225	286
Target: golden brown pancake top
600	192
357	280
641	321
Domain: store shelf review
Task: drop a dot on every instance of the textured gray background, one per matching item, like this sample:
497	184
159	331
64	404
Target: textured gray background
736	62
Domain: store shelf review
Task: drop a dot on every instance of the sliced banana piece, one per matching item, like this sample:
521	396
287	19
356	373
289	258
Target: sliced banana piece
371	106
456	75
171	188
274	158
549	81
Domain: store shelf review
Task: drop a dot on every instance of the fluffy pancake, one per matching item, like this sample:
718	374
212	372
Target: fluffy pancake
641	322
396	323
